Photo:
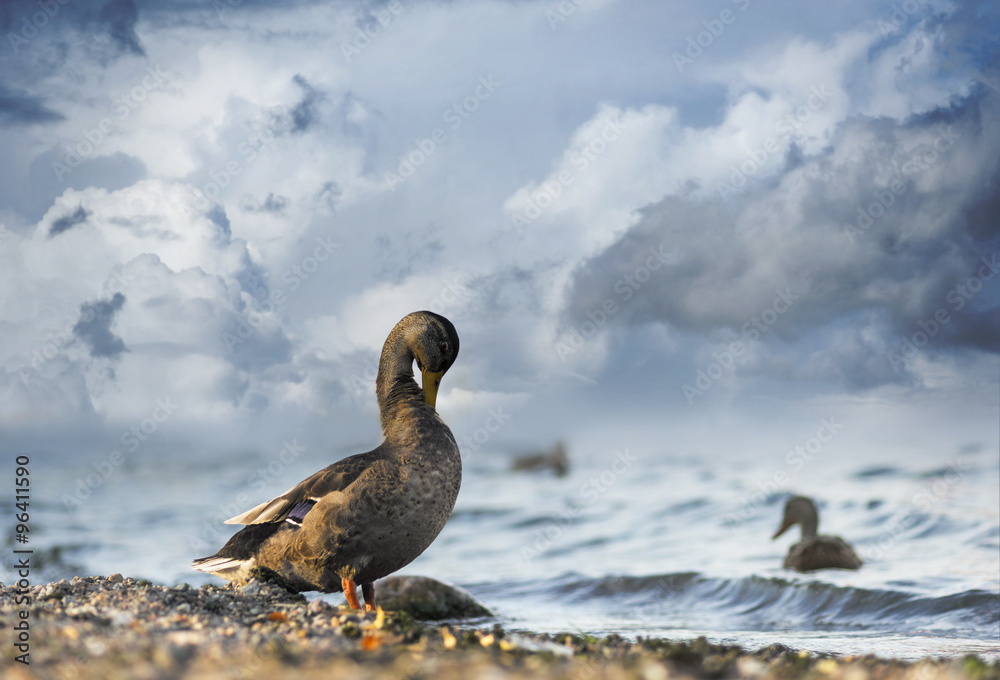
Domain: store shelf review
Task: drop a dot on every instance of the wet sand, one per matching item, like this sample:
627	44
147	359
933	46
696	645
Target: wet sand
117	627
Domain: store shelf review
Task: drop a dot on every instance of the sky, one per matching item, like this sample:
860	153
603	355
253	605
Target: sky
699	227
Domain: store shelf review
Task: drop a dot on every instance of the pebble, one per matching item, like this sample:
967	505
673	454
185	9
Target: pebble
117	627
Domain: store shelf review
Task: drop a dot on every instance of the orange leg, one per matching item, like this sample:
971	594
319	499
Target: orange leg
368	590
350	592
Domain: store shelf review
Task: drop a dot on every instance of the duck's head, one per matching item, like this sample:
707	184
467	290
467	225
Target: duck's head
434	343
802	511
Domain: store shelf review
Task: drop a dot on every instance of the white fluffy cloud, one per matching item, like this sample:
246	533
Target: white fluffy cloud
240	205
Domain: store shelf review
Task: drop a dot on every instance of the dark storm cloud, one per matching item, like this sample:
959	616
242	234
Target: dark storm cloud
94	327
32	28
971	30
119	17
274	204
20	108
871	246
329	195
218	215
303	115
304	112
68	221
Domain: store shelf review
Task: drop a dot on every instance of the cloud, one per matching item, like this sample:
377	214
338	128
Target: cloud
304	113
94	327
199	288
68	222
273	203
112	172
210	197
120	17
20	108
886	222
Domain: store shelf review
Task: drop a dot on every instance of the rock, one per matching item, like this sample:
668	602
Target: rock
427	599
53	591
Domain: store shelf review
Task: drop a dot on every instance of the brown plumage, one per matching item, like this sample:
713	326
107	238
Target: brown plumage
366	516
813	552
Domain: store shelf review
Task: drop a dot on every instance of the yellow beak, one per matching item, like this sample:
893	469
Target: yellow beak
431	382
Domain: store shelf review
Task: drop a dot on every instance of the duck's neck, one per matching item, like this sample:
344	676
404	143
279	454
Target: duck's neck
809	521
395	387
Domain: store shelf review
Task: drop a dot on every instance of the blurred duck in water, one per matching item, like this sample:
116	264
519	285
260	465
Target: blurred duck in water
813	551
556	460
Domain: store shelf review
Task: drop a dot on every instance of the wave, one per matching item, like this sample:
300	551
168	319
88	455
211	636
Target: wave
768	603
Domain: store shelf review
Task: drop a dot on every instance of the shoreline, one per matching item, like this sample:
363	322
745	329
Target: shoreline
117	627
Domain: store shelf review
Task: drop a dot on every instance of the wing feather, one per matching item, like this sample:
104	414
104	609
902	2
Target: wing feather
335	477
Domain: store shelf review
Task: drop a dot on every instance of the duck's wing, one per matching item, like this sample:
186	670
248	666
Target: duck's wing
822	552
293	505
846	557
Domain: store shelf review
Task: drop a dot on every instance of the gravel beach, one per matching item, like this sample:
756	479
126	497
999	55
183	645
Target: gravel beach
116	627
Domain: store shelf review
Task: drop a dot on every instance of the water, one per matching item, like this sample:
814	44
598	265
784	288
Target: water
648	543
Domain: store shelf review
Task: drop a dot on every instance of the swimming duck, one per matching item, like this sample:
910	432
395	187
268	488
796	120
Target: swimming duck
370	514
556	459
813	552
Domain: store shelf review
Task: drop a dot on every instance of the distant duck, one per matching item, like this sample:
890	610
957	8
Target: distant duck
813	552
367	515
556	460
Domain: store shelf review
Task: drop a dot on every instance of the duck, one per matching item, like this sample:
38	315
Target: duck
813	551
556	459
370	514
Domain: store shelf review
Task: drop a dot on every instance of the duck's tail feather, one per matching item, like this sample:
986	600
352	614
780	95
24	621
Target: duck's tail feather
238	556
231	569
215	563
